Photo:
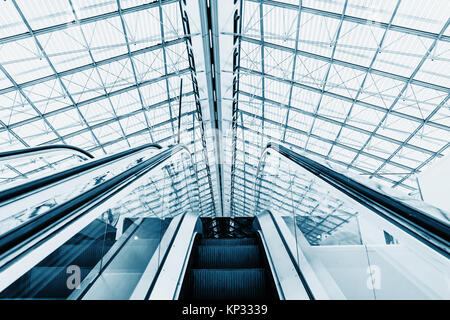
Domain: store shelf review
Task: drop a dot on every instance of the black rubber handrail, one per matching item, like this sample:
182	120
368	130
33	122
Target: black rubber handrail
429	230
40	149
33	227
20	190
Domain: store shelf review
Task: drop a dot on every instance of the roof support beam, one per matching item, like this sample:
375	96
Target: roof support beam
210	38
390	110
346	64
357	20
306	134
63	86
93	65
345	98
199	113
72	23
343	125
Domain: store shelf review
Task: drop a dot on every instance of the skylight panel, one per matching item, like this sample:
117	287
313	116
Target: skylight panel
45	13
116	75
358	43
97	112
108	132
280	25
401	53
276	91
327	5
90	8
300	121
143	28
419	101
371	10
24	61
436	66
35	133
334	109
251	56
380	91
443	115
105	38
47	96
154	93
416	14
397	128
325	129
10	20
278	63
84	85
344	81
310	72
251	20
67	122
431	138
173	28
317	34
304	99
14	108
149	65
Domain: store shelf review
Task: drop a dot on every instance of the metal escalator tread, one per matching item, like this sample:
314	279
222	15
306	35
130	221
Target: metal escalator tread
228	283
223	256
233	241
224	269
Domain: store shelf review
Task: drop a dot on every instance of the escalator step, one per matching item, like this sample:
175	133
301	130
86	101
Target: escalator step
228	242
210	284
243	256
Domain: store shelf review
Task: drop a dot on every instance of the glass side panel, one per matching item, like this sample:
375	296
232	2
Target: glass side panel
113	243
19	170
353	252
19	211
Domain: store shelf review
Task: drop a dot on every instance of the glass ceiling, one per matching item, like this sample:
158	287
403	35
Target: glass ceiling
363	84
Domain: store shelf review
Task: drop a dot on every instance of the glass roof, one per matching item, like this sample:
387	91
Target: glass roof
364	84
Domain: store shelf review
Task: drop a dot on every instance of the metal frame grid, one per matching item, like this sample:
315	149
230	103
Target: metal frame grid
101	75
364	85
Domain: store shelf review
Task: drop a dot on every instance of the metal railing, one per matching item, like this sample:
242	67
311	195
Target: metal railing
23	189
424	227
12	154
21	240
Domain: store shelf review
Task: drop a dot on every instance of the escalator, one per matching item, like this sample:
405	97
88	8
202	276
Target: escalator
228	268
132	226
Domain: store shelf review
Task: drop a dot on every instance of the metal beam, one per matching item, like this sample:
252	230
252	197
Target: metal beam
210	39
342	124
50	64
72	23
346	64
346	99
337	16
98	98
390	110
92	65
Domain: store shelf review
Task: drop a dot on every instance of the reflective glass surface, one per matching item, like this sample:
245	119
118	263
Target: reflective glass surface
354	253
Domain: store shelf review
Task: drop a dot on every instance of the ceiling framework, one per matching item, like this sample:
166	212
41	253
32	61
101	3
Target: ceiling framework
322	77
361	84
101	75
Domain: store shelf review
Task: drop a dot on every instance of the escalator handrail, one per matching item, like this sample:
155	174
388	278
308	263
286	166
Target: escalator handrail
422	226
295	263
33	227
30	151
22	189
